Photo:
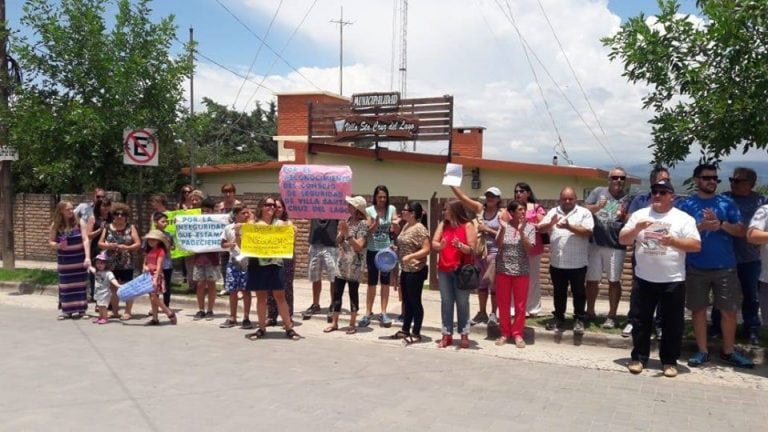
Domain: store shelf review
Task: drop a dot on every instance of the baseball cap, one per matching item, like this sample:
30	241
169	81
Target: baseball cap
664	185
493	190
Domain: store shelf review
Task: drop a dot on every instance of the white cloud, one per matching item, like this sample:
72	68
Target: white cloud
469	49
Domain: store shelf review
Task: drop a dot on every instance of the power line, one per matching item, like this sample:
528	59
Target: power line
266	44
258	51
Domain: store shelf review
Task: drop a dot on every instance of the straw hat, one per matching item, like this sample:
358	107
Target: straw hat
158	235
358	203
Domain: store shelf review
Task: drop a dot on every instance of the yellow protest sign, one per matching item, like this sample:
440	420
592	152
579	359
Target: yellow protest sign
267	241
171	229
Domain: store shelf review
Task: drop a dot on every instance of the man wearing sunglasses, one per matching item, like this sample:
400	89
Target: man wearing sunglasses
662	236
606	255
83	211
713	270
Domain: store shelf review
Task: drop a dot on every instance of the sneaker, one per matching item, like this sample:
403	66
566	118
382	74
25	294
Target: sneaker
246	324
627	332
493	320
555	325
480	318
609	323
635	366
365	321
698	359
228	323
311	310
670	371
209	316
578	327
737	359
198	316
385	320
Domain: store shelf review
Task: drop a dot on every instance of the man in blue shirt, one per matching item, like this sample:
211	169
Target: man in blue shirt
714	268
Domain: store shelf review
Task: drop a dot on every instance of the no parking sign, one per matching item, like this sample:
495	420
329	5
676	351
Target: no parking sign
140	147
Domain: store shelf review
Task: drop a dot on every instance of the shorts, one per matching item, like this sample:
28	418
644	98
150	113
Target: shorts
322	257
722	283
235	279
206	273
606	260
264	278
374	276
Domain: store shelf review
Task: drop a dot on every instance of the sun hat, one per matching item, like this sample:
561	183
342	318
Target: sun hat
357	202
385	260
158	235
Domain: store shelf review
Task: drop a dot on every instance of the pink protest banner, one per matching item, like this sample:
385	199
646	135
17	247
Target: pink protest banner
316	191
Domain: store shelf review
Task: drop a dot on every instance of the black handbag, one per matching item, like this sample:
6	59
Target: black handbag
469	277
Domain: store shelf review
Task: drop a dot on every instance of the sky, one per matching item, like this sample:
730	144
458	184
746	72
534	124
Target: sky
466	48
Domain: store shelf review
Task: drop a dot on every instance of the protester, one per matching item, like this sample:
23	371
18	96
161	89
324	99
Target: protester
84	210
454	240
606	254
534	213
488	216
322	257
101	216
662	236
160	221
159	203
570	225
413	247
74	257
516	238
120	239
265	274
351	238
236	275
288	272
225	206
382	225
155	251
205	272
184	200
105	282
194	201
758	235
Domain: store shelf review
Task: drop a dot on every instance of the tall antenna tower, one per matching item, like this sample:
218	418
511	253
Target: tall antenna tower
403	47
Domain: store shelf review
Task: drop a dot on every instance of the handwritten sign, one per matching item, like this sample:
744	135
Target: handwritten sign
171	229
267	241
453	174
200	233
316	191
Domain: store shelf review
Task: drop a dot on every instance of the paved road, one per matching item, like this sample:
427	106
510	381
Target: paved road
74	375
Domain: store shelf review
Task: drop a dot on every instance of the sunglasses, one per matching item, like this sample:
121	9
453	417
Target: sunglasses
709	178
736	180
659	192
119	214
271	205
617	178
186	191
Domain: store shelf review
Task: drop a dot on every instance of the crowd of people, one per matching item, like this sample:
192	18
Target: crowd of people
689	251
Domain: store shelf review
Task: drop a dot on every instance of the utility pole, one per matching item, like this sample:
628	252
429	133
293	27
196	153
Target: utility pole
6	192
191	107
341	24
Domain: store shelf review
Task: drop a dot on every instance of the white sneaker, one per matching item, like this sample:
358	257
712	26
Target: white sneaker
627	332
492	319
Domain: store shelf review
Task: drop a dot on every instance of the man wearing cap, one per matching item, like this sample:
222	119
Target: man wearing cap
713	270
606	254
662	235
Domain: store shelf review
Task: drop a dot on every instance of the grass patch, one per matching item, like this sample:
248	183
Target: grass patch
37	276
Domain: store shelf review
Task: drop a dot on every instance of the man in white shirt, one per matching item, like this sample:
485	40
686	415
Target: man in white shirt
84	210
757	234
570	226
662	235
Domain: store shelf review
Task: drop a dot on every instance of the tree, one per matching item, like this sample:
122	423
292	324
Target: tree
708	81
85	83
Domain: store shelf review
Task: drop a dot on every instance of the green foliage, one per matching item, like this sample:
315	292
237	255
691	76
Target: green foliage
708	83
85	83
36	276
228	136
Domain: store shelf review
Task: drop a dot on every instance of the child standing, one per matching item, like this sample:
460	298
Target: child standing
236	279
161	221
205	273
103	281
156	250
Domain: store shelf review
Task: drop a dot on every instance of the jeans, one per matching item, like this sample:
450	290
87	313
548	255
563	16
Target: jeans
749	274
411	285
450	294
644	299
576	278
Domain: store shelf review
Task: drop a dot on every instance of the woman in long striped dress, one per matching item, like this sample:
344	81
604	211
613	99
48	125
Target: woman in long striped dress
74	258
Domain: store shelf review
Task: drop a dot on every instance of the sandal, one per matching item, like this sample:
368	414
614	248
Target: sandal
258	334
501	341
126	317
291	334
399	335
351	330
330	329
172	318
410	340
152	322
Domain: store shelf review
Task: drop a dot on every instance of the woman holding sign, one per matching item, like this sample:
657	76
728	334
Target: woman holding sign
288	272
381	226
265	275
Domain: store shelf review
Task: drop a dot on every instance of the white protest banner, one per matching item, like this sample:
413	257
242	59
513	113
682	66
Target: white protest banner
200	233
453	174
316	191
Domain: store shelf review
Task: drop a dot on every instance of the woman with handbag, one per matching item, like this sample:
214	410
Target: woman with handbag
454	240
516	239
488	221
534	213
